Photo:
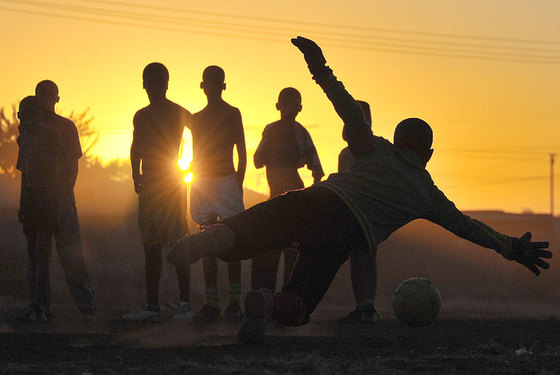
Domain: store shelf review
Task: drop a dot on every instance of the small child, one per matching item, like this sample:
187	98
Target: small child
285	147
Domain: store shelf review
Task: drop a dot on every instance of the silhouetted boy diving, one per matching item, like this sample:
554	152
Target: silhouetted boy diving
386	188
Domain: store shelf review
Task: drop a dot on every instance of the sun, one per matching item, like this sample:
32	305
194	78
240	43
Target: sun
184	161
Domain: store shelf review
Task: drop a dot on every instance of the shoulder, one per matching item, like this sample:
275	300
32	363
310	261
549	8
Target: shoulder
178	108
141	113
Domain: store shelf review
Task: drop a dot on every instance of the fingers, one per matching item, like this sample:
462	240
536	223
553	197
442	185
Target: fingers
526	236
542	264
543	254
540	245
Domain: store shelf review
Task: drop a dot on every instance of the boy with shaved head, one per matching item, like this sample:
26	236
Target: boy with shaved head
387	187
162	193
217	187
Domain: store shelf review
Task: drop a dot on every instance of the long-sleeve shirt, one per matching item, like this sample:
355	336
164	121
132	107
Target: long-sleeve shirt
388	187
284	148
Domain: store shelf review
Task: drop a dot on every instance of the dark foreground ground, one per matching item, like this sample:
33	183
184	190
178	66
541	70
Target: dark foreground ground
448	346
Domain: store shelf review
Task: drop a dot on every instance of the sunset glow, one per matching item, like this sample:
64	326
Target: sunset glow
484	74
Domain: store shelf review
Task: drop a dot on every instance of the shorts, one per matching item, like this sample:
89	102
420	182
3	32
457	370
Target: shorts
215	198
162	213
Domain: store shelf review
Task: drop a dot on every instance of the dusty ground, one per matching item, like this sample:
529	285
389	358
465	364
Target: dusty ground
448	346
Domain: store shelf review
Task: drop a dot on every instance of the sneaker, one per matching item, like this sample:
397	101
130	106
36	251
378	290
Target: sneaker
208	314
366	315
145	314
183	312
25	318
258	308
87	317
233	313
369	315
35	315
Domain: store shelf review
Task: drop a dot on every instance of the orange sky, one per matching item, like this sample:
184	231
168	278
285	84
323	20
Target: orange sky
484	74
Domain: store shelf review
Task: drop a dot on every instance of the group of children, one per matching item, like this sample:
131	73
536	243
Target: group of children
380	187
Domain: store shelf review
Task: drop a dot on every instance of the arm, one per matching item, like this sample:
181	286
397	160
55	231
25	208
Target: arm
358	132
521	250
259	159
241	151
312	158
136	157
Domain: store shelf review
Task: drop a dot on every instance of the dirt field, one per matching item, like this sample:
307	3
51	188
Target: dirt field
448	346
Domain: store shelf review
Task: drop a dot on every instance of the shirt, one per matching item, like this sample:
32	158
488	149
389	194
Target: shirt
388	187
284	148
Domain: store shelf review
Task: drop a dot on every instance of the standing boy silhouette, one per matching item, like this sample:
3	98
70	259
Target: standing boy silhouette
217	188
162	193
285	147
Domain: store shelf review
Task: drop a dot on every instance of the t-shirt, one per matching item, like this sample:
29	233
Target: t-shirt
158	131
69	137
284	148
215	130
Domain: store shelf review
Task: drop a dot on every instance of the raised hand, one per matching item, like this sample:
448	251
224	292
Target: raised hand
530	253
311	52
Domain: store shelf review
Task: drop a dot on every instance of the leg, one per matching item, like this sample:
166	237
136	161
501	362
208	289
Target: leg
290	258
264	270
152	267
363	272
183	277
70	254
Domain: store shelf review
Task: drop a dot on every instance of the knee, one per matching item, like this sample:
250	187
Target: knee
288	308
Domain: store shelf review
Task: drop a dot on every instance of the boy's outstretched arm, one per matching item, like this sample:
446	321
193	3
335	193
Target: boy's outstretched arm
358	132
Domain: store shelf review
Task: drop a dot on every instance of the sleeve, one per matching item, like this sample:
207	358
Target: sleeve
312	157
444	213
260	157
358	132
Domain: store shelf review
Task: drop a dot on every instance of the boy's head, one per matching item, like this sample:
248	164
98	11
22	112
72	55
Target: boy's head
155	80
47	94
289	103
213	81
415	134
367	116
29	110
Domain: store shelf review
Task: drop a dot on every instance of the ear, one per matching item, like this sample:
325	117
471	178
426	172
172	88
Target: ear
202	85
429	155
57	99
299	108
224	87
278	106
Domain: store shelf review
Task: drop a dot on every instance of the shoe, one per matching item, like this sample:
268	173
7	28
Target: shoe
366	314
183	312
35	315
208	314
369	315
232	313
25	318
258	309
145	314
87	318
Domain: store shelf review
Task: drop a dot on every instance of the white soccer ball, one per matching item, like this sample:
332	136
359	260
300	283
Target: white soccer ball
416	302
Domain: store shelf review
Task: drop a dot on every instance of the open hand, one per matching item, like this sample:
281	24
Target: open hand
530	253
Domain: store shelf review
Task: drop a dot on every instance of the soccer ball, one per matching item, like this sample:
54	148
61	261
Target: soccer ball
416	302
